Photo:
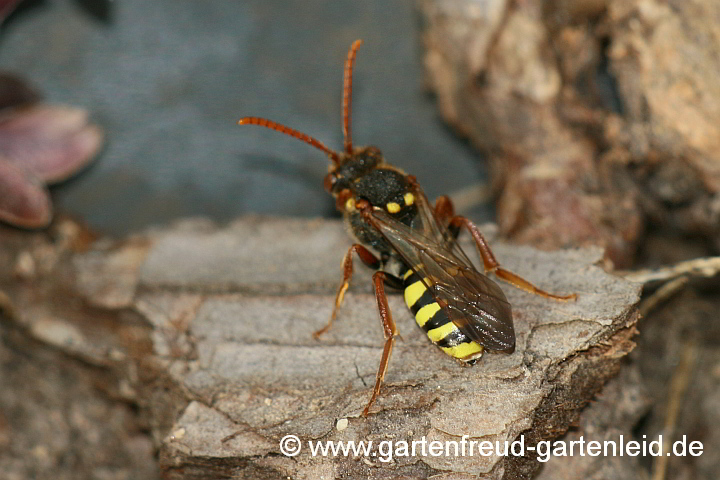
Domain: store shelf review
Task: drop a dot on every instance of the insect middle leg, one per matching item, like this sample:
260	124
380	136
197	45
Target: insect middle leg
492	265
389	329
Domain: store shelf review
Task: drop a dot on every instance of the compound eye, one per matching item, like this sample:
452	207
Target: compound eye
335	183
372	156
373	151
330	182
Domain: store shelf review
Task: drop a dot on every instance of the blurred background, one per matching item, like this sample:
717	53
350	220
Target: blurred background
168	79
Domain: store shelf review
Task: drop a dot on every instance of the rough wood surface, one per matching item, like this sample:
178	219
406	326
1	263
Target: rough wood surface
599	116
207	330
613	413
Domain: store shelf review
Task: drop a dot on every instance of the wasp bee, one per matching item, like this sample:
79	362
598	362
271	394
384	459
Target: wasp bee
462	310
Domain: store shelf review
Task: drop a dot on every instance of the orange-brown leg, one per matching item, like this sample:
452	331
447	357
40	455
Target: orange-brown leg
390	331
444	213
444	209
492	265
368	259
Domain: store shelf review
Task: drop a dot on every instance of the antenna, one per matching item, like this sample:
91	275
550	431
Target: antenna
264	122
347	95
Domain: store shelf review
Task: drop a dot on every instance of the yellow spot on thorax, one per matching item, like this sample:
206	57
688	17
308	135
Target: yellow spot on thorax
350	204
409	198
393	207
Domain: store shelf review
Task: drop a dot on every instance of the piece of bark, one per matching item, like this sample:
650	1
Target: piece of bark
598	116
610	417
679	360
669	389
257	374
67	400
208	330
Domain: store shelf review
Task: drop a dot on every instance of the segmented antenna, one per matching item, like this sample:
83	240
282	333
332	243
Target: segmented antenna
264	122
347	94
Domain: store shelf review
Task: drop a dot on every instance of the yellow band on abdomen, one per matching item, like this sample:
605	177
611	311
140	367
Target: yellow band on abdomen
437	334
426	313
413	292
464	350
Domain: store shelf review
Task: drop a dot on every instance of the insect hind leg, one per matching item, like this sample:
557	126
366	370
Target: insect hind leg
491	264
444	209
389	330
445	213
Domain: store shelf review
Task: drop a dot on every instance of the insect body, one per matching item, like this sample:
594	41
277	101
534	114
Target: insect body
431	317
462	310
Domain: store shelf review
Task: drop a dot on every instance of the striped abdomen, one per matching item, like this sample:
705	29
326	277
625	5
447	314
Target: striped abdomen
435	322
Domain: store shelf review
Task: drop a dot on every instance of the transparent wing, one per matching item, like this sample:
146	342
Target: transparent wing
474	303
426	224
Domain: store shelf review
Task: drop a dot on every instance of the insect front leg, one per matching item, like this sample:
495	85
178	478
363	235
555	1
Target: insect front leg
389	330
367	257
492	265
